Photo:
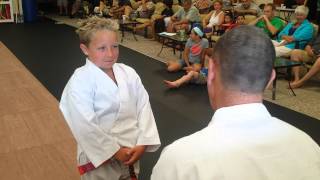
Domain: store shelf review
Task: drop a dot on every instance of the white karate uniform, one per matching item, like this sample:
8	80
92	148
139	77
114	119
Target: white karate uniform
242	142
104	116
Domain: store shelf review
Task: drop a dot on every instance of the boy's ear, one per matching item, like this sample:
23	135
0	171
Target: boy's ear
84	49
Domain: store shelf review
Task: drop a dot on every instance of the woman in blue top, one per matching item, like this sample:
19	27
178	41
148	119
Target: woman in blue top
298	30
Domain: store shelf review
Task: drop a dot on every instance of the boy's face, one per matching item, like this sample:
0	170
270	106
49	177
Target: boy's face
194	36
227	19
240	20
103	50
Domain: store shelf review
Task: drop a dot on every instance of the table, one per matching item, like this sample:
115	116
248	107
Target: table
170	40
127	25
282	63
286	12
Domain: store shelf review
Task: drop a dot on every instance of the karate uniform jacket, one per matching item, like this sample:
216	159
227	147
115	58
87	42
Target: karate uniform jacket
104	116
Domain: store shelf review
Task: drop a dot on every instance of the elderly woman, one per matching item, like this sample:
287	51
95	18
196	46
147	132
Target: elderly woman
300	30
214	19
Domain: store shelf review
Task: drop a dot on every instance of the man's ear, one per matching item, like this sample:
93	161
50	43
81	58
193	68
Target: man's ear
272	77
84	49
211	70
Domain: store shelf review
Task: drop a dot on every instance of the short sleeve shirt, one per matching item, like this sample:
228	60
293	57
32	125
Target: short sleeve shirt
276	22
192	14
196	49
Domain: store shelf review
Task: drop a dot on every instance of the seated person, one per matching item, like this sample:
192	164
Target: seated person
102	9
310	54
247	7
299	30
240	20
184	17
192	76
158	23
203	6
268	22
123	8
193	54
145	9
214	19
228	25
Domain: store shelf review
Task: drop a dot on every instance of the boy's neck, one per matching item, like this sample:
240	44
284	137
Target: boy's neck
197	40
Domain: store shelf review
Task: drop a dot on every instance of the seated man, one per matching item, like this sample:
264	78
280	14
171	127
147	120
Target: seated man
247	7
243	141
268	22
184	17
310	54
123	8
298	31
145	9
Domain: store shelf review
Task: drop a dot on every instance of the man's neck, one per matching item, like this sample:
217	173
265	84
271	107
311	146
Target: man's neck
228	98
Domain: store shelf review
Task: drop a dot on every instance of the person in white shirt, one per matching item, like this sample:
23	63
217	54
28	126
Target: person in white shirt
242	141
107	107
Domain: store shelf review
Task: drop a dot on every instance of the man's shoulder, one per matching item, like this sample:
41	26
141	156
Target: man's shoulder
188	146
277	20
193	9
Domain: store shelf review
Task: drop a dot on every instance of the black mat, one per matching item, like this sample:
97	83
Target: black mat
51	52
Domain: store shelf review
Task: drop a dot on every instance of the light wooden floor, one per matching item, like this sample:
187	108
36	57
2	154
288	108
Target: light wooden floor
35	142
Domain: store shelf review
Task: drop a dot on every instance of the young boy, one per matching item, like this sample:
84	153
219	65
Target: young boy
193	55
107	108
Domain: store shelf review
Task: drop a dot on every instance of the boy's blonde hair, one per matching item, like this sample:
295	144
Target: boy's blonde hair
93	24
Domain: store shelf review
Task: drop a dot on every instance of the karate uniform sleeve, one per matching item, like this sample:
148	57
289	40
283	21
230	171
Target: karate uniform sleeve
78	111
148	134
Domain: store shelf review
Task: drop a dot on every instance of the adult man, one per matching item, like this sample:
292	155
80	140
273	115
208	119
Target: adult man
268	22
247	7
184	17
242	141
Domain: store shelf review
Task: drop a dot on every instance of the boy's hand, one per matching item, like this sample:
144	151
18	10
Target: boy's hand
122	154
135	154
